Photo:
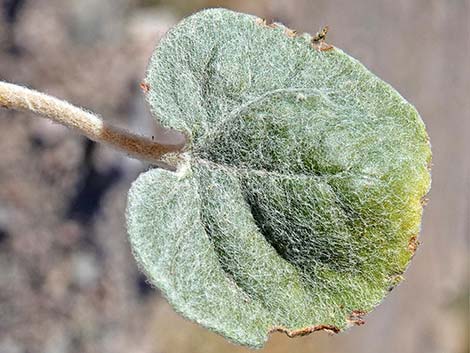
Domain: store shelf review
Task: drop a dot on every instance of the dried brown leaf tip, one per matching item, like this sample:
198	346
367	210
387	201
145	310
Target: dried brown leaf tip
356	317
262	22
424	201
144	86
291	33
413	244
318	40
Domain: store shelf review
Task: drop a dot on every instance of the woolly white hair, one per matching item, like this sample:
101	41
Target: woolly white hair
298	204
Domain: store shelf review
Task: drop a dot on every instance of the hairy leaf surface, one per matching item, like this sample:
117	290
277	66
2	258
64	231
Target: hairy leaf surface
298	204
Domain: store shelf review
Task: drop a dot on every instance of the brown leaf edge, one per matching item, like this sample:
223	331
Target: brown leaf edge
355	318
305	331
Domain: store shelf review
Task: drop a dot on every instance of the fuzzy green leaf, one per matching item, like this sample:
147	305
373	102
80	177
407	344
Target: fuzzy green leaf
299	201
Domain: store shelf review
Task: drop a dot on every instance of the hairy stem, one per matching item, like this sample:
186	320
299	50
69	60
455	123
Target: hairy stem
136	146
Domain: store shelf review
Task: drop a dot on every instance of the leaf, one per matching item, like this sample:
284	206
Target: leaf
298	204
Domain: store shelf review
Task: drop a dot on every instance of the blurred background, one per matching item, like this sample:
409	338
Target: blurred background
68	282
